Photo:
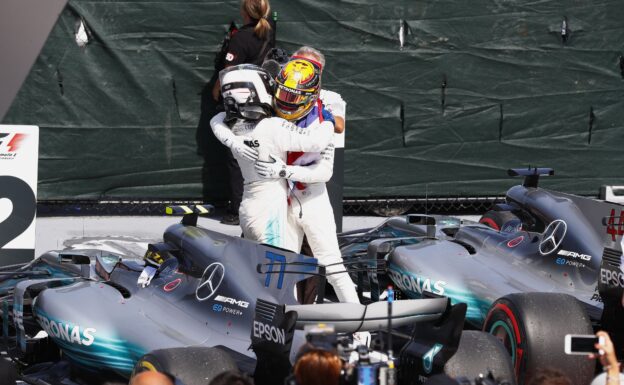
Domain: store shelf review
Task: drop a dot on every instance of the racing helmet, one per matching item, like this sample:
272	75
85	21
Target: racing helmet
298	88
247	92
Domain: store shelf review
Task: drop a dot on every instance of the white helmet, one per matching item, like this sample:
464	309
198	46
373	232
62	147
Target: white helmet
247	92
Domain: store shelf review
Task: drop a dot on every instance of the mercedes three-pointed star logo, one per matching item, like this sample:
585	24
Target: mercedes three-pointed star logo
553	236
210	281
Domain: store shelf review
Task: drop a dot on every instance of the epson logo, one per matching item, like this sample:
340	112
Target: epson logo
417	284
613	278
65	332
574	254
269	333
232	301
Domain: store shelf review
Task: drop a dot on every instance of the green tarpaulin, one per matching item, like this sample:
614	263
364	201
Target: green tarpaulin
479	87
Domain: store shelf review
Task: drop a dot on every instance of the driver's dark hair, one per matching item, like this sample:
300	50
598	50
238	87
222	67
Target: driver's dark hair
231	377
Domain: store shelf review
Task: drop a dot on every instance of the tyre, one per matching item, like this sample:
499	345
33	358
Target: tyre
192	365
504	221
480	353
532	327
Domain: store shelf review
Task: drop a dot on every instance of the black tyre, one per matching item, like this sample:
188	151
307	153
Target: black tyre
480	353
532	327
192	365
502	221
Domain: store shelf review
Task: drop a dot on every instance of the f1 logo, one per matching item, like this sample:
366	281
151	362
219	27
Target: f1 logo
275	259
12	143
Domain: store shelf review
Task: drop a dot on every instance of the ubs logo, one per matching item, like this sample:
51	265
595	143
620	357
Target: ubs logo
210	281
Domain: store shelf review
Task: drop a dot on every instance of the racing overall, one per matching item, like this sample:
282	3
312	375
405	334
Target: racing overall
263	210
310	211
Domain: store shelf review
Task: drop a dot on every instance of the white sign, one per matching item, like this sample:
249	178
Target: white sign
19	154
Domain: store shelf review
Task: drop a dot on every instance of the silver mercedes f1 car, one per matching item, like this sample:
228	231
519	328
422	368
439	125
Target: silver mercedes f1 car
542	265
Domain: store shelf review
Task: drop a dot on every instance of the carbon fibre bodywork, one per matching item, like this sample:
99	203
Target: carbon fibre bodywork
567	244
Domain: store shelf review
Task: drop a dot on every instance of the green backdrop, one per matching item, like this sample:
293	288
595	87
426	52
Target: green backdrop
480	86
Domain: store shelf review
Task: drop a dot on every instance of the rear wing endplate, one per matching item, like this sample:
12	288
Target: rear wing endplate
189	213
531	174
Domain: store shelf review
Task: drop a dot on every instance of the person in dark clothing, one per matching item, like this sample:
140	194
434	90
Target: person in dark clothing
249	44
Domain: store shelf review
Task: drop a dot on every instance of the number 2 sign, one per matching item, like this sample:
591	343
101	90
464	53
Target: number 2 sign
19	153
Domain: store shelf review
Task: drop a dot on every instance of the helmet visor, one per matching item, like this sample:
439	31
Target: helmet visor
294	97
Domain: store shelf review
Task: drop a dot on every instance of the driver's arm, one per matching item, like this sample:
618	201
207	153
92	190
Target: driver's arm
319	171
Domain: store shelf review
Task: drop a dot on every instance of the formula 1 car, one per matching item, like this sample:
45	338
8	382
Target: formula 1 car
194	305
532	270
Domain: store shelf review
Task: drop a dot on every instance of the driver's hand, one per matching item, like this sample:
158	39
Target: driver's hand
239	147
275	168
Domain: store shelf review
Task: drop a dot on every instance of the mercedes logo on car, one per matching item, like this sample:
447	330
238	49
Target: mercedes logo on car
553	236
210	281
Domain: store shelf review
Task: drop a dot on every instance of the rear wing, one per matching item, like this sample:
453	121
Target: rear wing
189	213
531	175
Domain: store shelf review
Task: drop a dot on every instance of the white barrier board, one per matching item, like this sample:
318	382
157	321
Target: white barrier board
19	155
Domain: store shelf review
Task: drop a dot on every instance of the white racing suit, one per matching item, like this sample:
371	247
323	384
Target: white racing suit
310	211
263	210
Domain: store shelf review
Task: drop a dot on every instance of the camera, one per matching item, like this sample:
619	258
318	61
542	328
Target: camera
362	366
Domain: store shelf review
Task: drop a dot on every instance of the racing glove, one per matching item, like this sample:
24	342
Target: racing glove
238	146
274	168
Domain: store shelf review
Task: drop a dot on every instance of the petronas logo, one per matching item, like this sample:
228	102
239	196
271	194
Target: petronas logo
428	357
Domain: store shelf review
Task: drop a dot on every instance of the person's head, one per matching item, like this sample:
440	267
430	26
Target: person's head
318	367
257	10
310	53
231	377
247	92
274	60
549	376
298	88
151	378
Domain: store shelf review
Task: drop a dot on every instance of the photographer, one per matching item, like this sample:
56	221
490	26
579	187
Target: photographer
608	360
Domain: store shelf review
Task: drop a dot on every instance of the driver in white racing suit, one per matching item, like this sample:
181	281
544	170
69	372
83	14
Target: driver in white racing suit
248	130
310	213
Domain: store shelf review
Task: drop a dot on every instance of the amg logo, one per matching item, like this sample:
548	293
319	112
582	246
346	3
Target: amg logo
252	143
269	333
232	301
574	254
416	284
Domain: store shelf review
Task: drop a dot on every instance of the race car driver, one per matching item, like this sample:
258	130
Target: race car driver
247	128
310	211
